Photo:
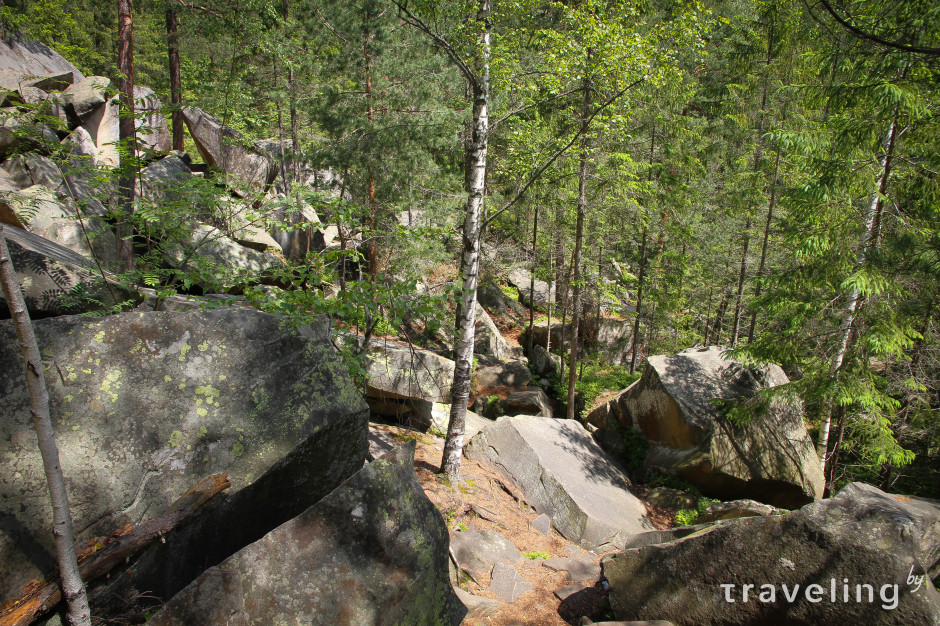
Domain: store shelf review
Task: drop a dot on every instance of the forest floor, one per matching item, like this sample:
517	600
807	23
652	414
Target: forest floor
483	501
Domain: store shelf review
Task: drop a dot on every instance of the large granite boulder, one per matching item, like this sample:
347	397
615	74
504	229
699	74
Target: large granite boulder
566	475
487	340
149	121
212	255
31	58
770	459
374	551
511	374
57	280
867	552
407	377
145	405
250	167
83	98
543	294
19	135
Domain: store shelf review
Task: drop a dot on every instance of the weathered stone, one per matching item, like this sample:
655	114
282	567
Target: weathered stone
17	135
862	536
543	524
162	180
246	226
374	551
149	122
211	251
613	339
544	363
406	373
770	459
487	339
528	401
31	169
37	210
147	404
85	97
81	147
565	474
565	592
492	298
31	58
671	498
479	550
47	280
507	584
736	509
544	292
582	569
477	608
511	374
440	420
103	125
250	167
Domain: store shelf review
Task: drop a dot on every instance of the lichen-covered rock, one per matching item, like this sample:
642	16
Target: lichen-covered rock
566	475
145	405
405	373
770	459
862	537
372	552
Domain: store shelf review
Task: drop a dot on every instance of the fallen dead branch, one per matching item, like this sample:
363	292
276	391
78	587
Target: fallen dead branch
103	554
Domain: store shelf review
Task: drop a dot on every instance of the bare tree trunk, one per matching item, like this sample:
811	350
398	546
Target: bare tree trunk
639	304
72	586
742	275
535	234
126	130
578	242
176	84
463	371
853	299
763	250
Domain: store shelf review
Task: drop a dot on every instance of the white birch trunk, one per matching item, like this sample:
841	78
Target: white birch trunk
853	298
463	371
72	587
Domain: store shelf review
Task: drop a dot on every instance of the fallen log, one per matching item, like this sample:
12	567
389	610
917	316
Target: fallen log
103	554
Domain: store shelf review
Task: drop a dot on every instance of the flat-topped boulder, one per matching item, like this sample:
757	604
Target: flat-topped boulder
770	458
147	404
566	475
862	557
374	551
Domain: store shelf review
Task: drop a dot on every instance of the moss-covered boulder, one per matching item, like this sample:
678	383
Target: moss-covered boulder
372	552
145	405
676	404
862	557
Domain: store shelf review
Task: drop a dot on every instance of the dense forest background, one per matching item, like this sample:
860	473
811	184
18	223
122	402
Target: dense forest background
757	174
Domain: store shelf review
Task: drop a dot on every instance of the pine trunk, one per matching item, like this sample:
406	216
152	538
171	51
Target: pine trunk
176	84
127	134
578	243
72	586
639	305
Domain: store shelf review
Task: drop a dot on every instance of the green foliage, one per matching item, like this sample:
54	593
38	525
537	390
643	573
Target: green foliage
686	517
635	448
536	555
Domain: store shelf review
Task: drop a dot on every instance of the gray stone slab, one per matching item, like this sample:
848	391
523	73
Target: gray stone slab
565	474
507	584
480	550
